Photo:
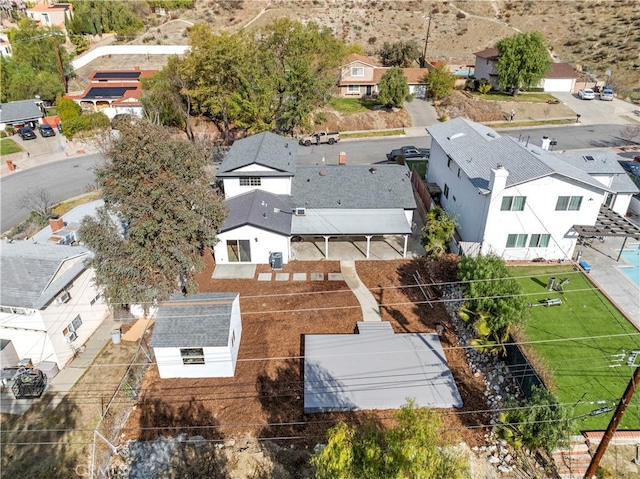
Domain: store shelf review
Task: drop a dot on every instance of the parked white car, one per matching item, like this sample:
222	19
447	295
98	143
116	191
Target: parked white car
606	94
587	94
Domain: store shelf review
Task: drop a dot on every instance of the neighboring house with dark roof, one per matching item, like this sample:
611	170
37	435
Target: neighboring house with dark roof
48	300
561	77
197	336
514	199
114	92
270	200
19	113
360	77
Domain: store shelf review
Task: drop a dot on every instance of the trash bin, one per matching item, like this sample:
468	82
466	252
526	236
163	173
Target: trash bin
115	336
275	259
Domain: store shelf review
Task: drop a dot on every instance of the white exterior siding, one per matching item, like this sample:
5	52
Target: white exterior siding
267	243
275	185
487	70
40	336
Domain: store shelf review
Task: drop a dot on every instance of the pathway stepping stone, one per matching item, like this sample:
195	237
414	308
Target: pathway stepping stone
299	276
264	276
317	276
282	276
335	277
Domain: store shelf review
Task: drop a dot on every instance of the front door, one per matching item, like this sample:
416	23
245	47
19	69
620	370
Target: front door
239	251
368	90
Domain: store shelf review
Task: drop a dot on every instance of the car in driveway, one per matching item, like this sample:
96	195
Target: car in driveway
587	94
409	152
26	133
46	130
606	94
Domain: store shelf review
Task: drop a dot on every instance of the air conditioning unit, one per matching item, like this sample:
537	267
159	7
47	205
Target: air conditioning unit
71	336
63	298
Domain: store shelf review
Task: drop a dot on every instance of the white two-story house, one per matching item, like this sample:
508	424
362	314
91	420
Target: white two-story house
513	198
48	300
271	199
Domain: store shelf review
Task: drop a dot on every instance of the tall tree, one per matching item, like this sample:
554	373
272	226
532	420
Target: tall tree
414	448
399	54
523	60
393	88
158	188
95	17
438	232
440	82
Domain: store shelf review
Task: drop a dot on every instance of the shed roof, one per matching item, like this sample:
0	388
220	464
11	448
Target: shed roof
198	320
376	369
22	110
478	149
352	187
260	209
266	149
28	272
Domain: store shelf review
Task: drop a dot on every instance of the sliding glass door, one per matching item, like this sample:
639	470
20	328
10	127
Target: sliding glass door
239	251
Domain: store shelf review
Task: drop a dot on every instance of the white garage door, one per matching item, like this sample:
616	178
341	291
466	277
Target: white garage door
558	84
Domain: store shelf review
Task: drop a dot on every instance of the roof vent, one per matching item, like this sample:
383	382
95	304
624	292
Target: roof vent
323	173
491	134
453	137
535	152
589	158
373	170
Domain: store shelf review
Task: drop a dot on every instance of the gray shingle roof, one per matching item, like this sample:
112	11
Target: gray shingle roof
352	187
624	184
604	161
28	270
266	149
257	208
477	149
17	111
196	321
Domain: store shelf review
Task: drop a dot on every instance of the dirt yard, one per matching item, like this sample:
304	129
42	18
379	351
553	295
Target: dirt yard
265	398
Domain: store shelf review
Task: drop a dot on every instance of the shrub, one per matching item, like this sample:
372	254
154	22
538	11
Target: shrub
68	109
82	123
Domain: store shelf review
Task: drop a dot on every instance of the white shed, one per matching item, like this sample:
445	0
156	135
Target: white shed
198	336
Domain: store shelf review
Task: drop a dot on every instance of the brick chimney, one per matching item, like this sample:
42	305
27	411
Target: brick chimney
342	158
56	224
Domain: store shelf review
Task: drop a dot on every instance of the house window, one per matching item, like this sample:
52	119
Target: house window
7	309
251	181
539	241
513	203
353	89
73	326
192	356
233	338
95	300
449	163
569	203
357	71
516	241
446	191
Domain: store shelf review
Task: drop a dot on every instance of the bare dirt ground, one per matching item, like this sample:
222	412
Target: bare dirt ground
265	398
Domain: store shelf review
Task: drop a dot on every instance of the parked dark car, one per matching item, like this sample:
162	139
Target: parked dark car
46	130
409	152
26	133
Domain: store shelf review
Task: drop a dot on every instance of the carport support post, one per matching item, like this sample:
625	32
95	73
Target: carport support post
326	246
622	248
404	251
368	244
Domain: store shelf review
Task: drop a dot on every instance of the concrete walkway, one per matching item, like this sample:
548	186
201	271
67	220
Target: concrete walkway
369	306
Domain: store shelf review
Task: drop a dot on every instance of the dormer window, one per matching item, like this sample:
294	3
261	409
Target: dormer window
357	71
250	181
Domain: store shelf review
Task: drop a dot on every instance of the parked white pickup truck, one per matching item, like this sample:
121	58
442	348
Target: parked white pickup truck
320	137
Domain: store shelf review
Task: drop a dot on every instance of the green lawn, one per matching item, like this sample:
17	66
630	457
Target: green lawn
349	106
419	165
581	358
8	146
522	97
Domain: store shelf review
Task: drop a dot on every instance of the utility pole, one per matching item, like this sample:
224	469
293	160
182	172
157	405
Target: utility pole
60	69
613	424
423	62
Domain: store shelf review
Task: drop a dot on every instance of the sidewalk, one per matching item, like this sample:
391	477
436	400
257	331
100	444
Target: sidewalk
370	309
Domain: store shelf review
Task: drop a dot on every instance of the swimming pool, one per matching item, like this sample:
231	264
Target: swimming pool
633	258
462	73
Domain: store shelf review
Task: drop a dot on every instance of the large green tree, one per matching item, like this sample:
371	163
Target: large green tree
523	60
414	448
491	289
158	188
95	17
438	231
399	54
393	89
440	82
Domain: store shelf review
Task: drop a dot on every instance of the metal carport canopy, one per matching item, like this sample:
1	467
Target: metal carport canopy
335	222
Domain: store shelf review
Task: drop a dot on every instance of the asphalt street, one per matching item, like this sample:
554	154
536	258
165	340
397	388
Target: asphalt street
62	179
572	137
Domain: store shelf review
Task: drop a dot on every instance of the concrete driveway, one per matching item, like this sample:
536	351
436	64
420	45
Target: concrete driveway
42	146
422	112
597	112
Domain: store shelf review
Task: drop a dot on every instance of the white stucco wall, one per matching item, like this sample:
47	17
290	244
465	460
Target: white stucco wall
275	185
91	55
40	335
267	243
622	204
218	362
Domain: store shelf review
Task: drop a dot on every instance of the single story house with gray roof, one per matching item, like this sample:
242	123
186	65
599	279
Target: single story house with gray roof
20	113
513	198
198	335
328	201
48	300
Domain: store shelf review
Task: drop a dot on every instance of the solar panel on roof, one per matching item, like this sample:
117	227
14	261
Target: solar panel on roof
117	75
110	92
63	6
